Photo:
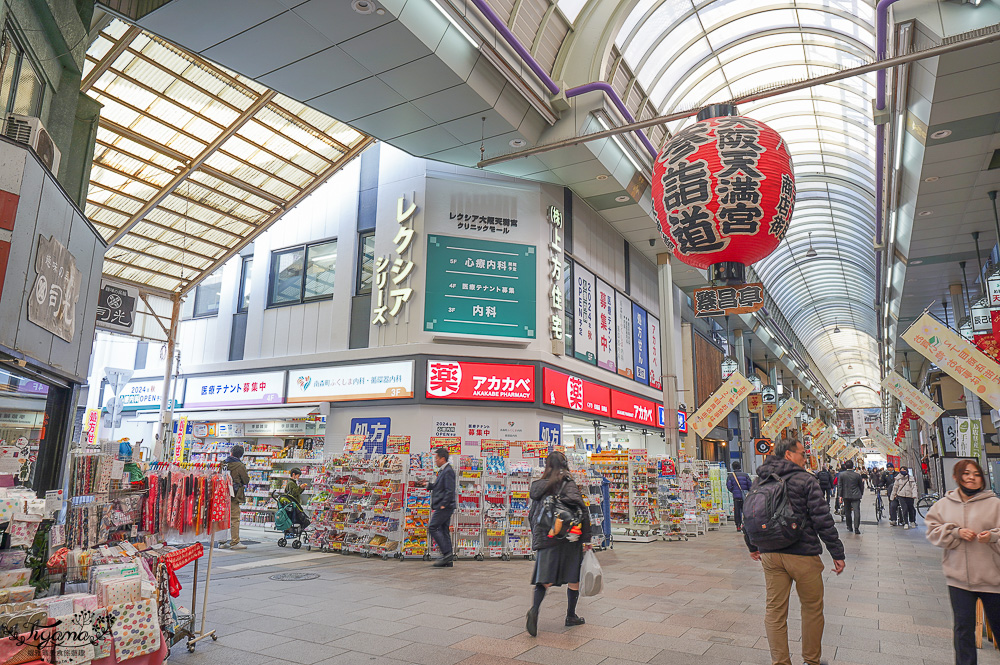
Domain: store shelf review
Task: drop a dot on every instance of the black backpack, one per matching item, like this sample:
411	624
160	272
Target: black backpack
552	510
768	518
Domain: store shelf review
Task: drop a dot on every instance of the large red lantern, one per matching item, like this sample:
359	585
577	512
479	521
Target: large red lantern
723	191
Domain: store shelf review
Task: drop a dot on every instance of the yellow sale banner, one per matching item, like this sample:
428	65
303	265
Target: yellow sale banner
907	393
822	440
725	399
354	443
957	357
815	427
836	448
782	419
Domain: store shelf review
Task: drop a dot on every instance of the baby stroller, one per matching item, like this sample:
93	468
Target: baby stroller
290	519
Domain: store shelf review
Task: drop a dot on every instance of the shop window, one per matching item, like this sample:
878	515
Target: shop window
244	302
366	262
302	274
206	296
20	85
23	405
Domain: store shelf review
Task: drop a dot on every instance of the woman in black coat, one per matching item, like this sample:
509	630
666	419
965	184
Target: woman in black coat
557	560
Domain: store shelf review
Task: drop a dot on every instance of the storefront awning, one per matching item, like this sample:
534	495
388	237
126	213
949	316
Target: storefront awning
237	415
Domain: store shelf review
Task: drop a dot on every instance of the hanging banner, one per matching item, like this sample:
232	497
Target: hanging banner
452	443
782	419
584	301
179	445
639	344
956	356
815	427
882	442
725	399
623	323
976	432
767	411
655	377
907	393
91	424
754	402
606	327
836	448
822	440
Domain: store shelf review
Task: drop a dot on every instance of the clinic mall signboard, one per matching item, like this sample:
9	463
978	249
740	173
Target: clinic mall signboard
346	383
249	389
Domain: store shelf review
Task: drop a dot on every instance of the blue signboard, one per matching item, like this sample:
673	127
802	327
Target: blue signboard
682	420
375	431
640	343
550	432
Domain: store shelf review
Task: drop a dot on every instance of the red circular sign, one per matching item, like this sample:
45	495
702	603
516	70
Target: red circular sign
723	191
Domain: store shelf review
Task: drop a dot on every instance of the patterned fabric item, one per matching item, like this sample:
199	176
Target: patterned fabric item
23	528
136	629
70	650
12	558
9	507
16	577
221	504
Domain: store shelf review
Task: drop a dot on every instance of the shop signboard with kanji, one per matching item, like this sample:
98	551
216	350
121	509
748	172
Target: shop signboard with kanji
252	388
725	399
822	440
836	448
726	300
53	297
767	411
344	383
607	357
957	357
640	344
907	393
783	418
141	395
814	427
495	448
448	379
116	305
623	325
572	392
480	287
754	402
374	430
534	449
655	377
633	409
584	308
391	278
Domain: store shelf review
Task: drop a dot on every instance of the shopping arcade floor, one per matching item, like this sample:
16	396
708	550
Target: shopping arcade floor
693	603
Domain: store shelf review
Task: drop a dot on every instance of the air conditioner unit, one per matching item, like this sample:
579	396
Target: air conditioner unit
30	130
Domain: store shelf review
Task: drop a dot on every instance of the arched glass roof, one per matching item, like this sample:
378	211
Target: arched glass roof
689	53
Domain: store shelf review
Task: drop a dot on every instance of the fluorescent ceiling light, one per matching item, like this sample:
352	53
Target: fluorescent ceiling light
455	23
618	142
899	139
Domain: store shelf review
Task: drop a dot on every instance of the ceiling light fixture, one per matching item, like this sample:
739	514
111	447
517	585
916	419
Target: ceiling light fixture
925	213
454	23
517	143
836	328
916	262
602	177
811	252
941	134
622	198
932	178
363	6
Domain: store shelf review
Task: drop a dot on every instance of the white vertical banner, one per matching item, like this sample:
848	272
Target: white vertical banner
655	379
606	327
964	436
623	324
584	333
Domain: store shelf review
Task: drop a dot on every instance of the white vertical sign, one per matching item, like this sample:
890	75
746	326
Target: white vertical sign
606	328
623	323
964	436
655	379
584	332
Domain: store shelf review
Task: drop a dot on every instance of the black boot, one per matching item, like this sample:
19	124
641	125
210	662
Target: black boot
446	561
572	595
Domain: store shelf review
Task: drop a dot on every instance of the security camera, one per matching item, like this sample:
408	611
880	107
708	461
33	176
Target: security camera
652	242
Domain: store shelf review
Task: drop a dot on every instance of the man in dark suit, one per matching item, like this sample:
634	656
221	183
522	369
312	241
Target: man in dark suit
442	505
851	488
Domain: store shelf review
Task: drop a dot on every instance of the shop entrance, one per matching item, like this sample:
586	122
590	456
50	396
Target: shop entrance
596	435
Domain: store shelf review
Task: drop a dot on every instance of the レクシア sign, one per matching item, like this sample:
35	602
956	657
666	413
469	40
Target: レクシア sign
53	297
390	299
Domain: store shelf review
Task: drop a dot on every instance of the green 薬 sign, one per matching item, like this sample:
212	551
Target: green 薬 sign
479	287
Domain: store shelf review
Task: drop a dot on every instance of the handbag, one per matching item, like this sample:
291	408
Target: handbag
557	517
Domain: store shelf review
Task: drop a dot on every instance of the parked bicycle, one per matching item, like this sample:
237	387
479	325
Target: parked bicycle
925	502
879	505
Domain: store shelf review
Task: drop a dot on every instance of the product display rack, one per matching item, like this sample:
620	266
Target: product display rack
631	508
614	466
467	519
496	498
671	508
591	486
417	512
518	528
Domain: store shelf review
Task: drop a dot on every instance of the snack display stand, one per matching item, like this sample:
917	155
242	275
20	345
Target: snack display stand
633	494
467	520
518	529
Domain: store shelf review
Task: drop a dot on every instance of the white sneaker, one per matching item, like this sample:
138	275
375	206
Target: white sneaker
906	526
225	546
238	546
913	525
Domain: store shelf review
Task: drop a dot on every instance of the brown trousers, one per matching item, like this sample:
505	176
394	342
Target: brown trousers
234	521
780	570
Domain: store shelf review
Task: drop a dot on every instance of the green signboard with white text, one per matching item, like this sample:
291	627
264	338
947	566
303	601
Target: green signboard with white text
479	287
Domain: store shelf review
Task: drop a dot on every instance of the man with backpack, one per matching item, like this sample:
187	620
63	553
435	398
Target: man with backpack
785	516
825	479
738	485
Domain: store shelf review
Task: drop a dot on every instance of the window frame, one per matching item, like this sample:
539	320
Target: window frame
22	56
197	292
242	304
358	289
302	299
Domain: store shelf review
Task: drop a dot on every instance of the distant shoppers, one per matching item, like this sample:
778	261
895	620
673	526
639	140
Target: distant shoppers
238	471
557	559
905	491
851	488
443	505
293	488
966	524
890	482
799	562
738	485
825	479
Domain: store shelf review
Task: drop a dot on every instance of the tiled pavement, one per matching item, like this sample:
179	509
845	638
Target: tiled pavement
693	603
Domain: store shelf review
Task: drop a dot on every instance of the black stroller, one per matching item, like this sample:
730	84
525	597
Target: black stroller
290	519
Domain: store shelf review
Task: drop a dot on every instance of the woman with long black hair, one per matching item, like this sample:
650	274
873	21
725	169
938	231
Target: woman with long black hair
557	559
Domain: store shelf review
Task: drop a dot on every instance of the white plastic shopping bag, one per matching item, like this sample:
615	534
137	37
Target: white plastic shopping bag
591	577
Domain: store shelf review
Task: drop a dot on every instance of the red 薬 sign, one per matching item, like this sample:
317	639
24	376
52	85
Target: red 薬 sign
633	409
572	392
448	379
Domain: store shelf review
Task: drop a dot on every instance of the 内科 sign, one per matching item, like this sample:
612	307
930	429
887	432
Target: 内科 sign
390	298
783	418
480	287
722	401
726	300
917	402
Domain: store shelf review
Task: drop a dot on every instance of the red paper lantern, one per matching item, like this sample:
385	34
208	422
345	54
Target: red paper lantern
723	191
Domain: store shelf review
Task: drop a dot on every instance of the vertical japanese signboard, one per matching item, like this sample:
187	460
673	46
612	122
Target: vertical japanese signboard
725	399
623	324
606	327
555	291
655	377
640	344
584	301
390	297
964	436
179	440
918	402
52	300
480	287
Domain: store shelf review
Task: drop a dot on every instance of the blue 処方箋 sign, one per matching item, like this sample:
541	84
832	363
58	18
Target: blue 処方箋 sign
640	341
550	432
375	431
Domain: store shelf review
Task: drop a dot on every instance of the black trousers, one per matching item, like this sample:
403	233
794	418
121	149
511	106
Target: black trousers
437	529
852	508
738	512
894	511
907	509
828	493
963	604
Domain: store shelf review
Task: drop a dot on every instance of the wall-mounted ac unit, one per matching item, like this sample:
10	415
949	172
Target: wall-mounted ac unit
30	130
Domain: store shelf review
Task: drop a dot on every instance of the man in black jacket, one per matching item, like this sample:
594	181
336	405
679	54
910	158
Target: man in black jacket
443	505
799	562
825	479
851	487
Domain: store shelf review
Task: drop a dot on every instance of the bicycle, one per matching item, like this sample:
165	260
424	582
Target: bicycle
925	502
879	505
